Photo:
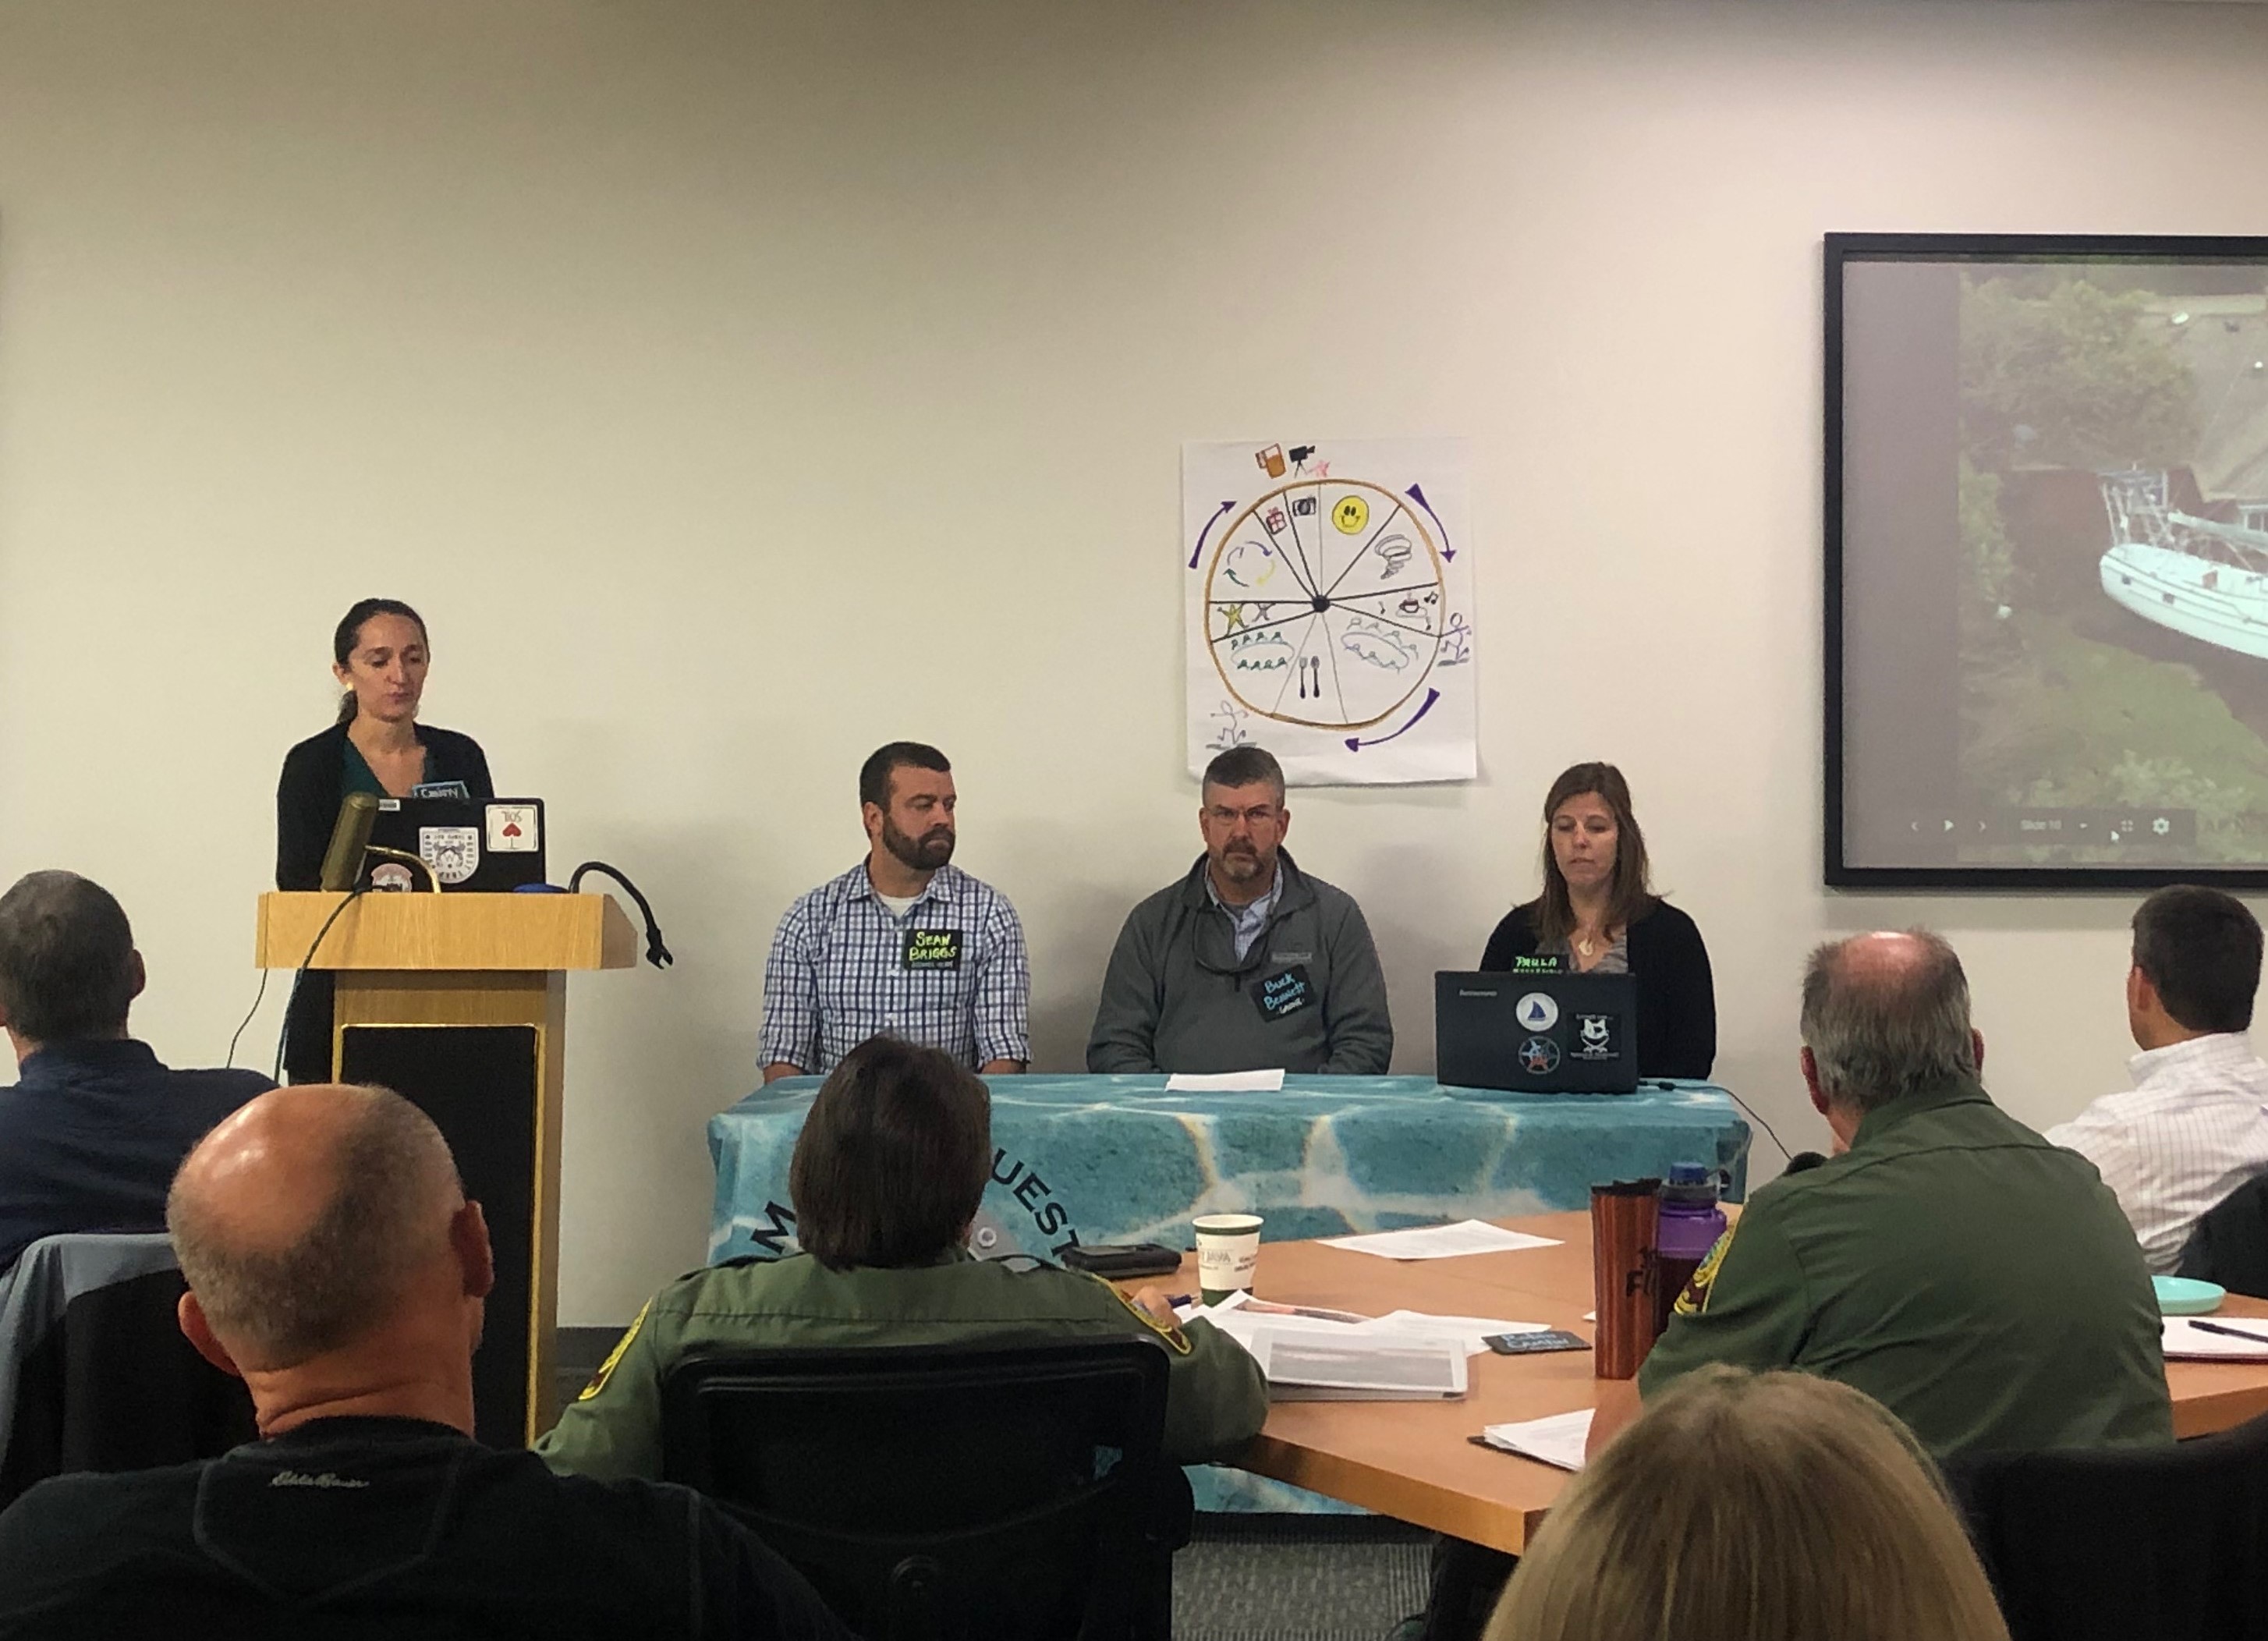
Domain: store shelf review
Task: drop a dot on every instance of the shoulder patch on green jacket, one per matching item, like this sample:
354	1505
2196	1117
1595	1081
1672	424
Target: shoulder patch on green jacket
1695	1299
1170	1332
614	1357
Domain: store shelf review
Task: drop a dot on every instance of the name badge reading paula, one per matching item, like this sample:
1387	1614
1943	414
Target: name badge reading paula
1278	995
932	948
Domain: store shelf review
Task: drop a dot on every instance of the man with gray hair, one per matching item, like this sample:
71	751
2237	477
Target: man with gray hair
1247	963
334	1264
93	1131
1977	1281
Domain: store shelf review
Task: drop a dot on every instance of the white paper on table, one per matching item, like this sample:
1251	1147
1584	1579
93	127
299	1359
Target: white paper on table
1467	1236
1307	1364
2185	1340
1226	1082
1472	1331
1244	1320
1557	1440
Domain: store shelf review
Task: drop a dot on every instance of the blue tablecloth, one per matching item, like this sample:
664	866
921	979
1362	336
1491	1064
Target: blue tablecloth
1118	1160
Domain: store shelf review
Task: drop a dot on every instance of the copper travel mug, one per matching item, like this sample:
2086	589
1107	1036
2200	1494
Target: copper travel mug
1624	1275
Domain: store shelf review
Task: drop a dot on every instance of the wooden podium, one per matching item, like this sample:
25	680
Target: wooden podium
460	1002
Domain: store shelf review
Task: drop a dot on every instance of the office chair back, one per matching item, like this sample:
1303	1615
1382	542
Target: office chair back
94	1373
2230	1243
1001	1492
2117	1542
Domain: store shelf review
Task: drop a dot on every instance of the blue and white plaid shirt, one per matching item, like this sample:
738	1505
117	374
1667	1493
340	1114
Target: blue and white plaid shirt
845	968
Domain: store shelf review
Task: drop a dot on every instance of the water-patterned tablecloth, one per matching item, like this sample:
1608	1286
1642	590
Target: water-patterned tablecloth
1119	1159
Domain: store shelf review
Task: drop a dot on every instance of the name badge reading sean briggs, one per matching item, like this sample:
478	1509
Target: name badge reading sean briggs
932	948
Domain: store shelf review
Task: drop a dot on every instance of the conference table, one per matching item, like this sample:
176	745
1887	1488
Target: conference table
1413	1460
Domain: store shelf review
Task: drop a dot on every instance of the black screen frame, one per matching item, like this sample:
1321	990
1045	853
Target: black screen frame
1841	250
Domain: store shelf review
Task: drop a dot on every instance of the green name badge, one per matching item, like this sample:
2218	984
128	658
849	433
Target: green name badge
932	948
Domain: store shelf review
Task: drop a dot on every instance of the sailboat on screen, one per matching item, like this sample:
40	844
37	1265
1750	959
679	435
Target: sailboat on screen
2194	575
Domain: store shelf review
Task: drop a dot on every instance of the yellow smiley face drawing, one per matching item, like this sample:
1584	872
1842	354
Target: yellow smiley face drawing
1351	513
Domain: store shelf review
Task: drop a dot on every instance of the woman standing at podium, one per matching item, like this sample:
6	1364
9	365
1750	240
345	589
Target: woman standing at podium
1599	914
379	655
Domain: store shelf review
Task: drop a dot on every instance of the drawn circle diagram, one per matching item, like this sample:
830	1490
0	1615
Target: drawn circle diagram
1325	605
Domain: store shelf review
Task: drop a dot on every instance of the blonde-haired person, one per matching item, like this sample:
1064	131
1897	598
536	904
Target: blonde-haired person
1753	1507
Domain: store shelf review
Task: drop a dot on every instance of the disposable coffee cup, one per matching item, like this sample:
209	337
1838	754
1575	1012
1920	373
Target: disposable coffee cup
1228	1251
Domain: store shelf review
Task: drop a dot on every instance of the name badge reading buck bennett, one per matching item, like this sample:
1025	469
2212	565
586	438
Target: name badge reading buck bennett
1287	993
932	948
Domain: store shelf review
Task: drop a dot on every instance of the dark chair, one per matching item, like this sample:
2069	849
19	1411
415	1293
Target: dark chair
2230	1243
94	1373
2170	1544
1005	1493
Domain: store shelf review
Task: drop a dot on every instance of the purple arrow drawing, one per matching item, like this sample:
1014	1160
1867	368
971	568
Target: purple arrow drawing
1198	552
1418	496
1355	744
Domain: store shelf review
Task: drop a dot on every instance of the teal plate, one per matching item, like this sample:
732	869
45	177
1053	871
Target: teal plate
2185	1296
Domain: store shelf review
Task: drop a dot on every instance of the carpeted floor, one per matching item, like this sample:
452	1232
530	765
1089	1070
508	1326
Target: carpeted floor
1297	1579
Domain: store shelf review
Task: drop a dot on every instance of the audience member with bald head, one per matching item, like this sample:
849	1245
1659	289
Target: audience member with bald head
93	1131
1977	1281
334	1263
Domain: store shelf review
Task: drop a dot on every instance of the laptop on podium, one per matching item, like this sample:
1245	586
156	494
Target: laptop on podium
1539	1032
470	845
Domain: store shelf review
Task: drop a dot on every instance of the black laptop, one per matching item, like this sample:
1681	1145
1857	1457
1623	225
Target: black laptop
1540	1031
470	845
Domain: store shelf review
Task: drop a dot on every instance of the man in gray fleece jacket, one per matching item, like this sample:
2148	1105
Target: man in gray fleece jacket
1247	963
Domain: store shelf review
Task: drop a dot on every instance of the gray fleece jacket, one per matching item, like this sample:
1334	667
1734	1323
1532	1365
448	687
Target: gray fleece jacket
1309	996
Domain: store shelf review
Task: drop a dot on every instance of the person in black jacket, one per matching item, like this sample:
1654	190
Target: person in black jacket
379	655
334	1265
1600	914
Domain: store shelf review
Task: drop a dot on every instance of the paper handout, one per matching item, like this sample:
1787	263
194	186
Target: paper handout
1557	1440
1226	1082
1449	1241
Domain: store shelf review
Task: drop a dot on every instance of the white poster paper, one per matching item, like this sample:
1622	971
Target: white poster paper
1330	607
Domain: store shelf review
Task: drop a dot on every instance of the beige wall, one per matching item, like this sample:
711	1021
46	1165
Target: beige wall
736	385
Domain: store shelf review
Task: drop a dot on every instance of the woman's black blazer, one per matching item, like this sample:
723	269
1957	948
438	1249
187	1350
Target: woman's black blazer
307	799
315	782
1676	995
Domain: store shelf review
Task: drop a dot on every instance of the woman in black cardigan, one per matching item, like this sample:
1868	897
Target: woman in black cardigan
379	655
1597	913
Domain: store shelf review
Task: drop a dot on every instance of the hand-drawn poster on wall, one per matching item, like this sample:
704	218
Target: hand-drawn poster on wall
1330	607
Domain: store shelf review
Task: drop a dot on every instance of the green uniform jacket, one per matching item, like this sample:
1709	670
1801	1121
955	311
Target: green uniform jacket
1216	1399
1976	1280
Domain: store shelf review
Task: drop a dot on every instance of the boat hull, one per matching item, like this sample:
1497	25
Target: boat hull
2221	604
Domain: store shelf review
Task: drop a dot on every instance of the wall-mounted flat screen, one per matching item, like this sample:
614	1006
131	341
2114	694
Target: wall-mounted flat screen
2047	561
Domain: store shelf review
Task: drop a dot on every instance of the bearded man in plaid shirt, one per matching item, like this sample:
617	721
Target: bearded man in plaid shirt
904	943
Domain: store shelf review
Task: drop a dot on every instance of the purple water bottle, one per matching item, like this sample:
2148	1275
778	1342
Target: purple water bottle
1691	1224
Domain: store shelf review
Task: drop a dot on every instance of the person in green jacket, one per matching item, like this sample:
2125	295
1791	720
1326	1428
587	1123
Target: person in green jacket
1980	1283
886	1179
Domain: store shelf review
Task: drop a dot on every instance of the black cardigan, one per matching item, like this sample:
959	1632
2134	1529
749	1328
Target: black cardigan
307	800
314	783
1676	996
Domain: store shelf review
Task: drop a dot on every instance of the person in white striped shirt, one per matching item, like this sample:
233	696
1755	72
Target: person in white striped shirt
2196	1125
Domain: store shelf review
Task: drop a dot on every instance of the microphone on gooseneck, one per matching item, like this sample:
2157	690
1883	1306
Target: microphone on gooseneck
1802	1160
349	837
